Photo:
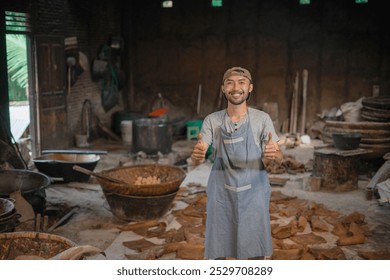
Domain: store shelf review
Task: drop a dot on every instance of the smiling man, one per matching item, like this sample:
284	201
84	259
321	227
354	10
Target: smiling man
238	189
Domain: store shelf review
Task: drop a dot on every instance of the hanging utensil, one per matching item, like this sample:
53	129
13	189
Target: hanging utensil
98	175
71	62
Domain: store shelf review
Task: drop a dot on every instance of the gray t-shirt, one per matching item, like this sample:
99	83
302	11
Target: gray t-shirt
260	121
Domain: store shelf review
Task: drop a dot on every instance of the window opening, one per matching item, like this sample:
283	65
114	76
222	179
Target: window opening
304	2
17	22
216	3
17	46
167	4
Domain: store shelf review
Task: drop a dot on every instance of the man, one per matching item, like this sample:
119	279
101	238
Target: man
238	190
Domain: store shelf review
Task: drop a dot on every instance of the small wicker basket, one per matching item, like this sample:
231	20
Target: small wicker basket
38	244
170	177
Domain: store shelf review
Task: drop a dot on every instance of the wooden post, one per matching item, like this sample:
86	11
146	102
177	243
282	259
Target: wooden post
305	75
294	106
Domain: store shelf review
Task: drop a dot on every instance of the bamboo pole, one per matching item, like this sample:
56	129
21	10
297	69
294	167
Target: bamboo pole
305	75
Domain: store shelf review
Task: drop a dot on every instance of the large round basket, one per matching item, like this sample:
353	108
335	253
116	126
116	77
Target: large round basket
15	245
170	179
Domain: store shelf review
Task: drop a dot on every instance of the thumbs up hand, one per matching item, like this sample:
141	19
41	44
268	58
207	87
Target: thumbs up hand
269	138
271	149
200	149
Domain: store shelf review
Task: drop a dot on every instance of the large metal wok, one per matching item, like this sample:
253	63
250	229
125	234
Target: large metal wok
30	183
59	166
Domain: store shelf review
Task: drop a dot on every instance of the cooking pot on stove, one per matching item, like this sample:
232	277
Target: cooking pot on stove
152	135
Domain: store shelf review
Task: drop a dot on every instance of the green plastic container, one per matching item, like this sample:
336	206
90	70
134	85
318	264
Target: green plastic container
193	129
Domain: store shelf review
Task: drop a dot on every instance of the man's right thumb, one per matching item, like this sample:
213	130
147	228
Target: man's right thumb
270	137
199	136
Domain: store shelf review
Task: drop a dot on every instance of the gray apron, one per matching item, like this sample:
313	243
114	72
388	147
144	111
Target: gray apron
238	193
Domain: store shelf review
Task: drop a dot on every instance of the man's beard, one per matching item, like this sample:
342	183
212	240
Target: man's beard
237	101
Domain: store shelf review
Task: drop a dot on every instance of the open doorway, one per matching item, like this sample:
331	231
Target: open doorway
19	72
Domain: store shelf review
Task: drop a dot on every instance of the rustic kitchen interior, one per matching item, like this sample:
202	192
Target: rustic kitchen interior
102	103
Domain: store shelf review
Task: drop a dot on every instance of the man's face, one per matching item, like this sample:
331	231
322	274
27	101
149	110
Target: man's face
237	89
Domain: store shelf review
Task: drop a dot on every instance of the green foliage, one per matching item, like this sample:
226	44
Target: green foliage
17	66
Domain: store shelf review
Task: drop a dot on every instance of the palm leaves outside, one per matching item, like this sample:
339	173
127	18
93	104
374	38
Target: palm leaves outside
17	67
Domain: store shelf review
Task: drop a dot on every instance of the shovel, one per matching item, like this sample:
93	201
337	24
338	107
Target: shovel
98	175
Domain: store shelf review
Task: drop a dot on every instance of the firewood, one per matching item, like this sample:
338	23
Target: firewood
194	236
375	255
138	225
323	211
279	197
317	224
175	235
286	231
156	231
354	235
191	211
351	240
334	253
289	211
138	245
154	252
355	217
308	239
191	251
339	229
291	254
302	222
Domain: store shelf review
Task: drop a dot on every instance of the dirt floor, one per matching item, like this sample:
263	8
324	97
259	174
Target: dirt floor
92	222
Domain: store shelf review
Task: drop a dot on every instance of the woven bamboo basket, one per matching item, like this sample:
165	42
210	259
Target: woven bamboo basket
14	245
170	179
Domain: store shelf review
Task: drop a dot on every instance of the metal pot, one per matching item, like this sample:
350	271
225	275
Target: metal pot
346	141
152	135
60	165
30	183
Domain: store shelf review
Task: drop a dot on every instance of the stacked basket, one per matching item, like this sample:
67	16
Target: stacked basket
32	245
132	201
8	215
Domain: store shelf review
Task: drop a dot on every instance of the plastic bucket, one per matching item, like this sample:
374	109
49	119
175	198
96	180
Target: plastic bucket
127	132
81	140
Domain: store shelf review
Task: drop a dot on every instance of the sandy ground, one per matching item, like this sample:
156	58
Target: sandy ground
94	224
